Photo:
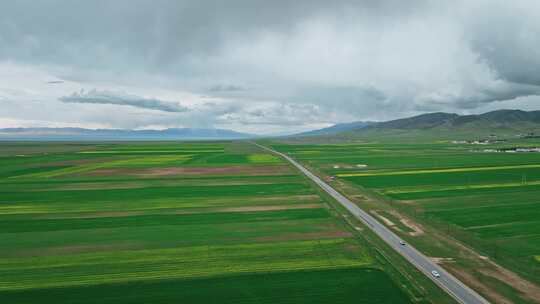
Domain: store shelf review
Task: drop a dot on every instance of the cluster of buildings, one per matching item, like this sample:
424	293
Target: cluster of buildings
479	141
529	135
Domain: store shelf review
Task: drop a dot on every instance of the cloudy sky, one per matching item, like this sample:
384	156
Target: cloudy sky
262	66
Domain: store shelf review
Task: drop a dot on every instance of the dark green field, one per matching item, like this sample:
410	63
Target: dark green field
350	285
488	200
173	222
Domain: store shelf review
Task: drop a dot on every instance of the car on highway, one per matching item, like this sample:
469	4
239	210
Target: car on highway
402	243
436	274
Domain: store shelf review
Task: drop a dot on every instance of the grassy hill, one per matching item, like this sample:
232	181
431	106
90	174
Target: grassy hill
501	119
501	123
337	128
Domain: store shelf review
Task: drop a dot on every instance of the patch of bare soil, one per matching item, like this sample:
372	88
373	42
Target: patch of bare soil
386	221
442	260
407	202
361	198
342	166
417	228
526	288
477	285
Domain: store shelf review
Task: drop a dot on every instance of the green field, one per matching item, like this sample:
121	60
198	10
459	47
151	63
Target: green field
349	285
489	201
174	222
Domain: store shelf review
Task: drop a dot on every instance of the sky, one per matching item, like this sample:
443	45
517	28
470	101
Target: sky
263	67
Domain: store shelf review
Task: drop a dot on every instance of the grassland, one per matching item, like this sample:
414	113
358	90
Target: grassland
488	201
174	222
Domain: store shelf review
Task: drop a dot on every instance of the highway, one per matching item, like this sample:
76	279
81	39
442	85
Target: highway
446	281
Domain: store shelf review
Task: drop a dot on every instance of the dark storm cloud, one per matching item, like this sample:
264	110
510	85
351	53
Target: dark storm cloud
341	95
499	91
509	92
507	37
153	34
113	98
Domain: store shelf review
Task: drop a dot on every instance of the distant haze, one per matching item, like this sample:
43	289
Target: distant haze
263	67
113	134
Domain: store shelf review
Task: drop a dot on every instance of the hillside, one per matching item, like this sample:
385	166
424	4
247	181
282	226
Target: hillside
509	119
503	123
342	127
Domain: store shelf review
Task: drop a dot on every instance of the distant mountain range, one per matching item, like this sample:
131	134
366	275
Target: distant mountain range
504	122
118	134
445	124
342	127
510	119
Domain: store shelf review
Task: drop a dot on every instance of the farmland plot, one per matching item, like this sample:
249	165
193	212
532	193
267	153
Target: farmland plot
173	222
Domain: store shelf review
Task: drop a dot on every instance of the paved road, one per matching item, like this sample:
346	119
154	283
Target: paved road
446	281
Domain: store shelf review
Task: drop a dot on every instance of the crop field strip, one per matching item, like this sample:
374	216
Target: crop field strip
451	170
354	285
178	263
490	200
158	222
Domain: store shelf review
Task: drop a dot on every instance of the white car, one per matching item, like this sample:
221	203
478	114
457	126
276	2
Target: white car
436	274
402	243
